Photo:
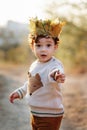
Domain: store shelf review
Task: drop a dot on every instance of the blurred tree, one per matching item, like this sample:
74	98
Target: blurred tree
8	41
73	49
69	10
12	36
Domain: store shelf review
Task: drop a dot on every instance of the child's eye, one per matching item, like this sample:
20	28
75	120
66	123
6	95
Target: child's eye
38	45
48	45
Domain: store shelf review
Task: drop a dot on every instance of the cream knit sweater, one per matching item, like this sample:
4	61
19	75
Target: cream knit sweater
47	100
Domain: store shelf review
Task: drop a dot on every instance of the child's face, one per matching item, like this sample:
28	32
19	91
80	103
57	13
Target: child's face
44	49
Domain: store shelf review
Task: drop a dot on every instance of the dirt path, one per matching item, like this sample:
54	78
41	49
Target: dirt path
16	116
75	93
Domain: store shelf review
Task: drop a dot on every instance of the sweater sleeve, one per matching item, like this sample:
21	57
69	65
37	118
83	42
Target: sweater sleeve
22	90
53	69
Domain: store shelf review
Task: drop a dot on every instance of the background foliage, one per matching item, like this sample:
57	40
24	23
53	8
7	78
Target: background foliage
73	39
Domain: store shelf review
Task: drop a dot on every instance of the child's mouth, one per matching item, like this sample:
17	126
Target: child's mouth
43	55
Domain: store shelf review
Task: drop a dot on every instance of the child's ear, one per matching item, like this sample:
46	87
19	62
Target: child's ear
56	46
32	45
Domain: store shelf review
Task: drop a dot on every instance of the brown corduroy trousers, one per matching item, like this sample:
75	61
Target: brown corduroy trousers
45	123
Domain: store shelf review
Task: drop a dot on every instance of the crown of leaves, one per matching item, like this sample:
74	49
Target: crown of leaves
45	27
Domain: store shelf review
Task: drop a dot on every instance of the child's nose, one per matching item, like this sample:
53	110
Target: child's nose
43	48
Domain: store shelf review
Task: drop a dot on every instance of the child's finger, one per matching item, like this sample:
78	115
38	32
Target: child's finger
11	99
57	75
58	72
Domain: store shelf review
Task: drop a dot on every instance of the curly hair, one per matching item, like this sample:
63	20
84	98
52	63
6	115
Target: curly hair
35	39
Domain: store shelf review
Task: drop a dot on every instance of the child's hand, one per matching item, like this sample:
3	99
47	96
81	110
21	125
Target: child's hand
13	96
57	76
